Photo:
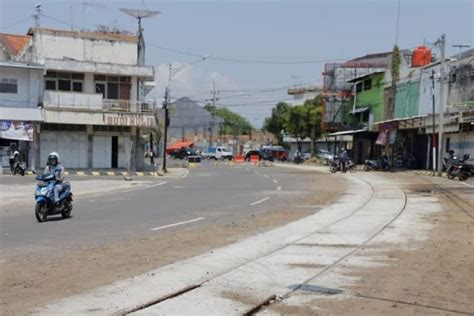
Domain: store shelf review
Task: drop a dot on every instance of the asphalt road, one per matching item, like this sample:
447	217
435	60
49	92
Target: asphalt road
207	195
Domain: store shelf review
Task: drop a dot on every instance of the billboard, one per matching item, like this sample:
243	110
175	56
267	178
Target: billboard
16	130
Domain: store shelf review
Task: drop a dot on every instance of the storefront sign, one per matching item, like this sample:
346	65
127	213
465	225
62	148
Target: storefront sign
16	130
129	120
392	137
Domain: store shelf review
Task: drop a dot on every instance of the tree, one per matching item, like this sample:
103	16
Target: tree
276	123
296	124
314	114
233	122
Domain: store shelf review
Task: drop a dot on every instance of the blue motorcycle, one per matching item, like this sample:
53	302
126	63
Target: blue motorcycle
44	196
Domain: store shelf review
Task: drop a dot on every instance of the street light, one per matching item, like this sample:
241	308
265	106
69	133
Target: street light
167	101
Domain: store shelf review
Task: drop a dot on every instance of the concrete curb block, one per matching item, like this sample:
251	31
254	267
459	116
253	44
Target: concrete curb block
108	173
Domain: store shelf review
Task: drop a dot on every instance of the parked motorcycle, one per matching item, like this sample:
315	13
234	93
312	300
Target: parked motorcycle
379	164
44	195
459	168
19	168
335	165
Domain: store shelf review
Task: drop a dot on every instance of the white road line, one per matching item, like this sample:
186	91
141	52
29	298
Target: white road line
177	224
185	173
260	201
279	188
275	181
266	176
157	184
466	184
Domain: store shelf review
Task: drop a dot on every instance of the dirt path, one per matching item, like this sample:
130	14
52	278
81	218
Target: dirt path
435	279
30	281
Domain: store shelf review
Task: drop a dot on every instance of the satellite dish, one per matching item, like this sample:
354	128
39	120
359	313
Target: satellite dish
139	13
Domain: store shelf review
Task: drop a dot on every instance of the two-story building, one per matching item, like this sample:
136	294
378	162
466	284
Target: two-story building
21	86
93	103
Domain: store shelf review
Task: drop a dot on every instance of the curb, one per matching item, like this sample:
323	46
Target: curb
429	173
107	173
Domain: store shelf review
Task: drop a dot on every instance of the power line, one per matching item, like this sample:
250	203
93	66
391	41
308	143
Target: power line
247	61
17	23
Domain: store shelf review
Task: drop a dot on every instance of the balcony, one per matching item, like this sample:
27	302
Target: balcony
128	106
94	102
73	100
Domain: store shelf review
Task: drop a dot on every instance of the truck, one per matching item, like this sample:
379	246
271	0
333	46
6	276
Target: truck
218	153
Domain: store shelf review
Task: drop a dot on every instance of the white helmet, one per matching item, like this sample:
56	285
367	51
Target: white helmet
53	156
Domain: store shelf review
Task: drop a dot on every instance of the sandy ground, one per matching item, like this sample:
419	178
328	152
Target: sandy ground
30	281
437	278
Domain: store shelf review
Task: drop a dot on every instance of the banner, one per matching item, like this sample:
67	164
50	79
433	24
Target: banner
16	130
382	138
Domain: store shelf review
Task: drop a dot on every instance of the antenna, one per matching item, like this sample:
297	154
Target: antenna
139	15
461	46
37	14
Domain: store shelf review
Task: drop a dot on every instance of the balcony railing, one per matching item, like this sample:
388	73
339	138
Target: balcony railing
95	102
128	106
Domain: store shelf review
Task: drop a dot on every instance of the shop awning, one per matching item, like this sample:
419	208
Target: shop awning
21	114
179	145
348	132
360	110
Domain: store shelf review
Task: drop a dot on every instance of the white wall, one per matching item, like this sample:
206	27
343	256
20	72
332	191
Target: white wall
30	84
426	91
103	51
461	143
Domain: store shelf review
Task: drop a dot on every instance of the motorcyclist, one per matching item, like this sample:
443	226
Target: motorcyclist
54	167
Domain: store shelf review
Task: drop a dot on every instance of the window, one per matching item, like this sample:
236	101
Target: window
113	87
64	81
359	87
8	86
367	84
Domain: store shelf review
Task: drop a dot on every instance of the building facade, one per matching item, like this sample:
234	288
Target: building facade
92	98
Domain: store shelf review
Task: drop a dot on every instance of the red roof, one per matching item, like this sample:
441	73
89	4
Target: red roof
13	43
179	145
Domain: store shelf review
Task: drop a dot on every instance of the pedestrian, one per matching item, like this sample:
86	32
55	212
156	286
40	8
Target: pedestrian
14	158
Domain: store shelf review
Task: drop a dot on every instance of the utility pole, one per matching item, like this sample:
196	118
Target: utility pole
167	123
433	139
442	43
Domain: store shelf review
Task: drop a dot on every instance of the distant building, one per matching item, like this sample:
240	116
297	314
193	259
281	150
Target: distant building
192	122
302	93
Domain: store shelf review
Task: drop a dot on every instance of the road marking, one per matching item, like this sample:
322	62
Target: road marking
279	188
177	224
266	176
466	184
260	201
186	172
178	187
275	181
157	184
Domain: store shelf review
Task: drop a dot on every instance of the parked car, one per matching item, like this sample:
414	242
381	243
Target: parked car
262	155
277	152
218	153
183	153
324	154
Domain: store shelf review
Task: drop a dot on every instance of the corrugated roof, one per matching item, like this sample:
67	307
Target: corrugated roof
83	34
14	43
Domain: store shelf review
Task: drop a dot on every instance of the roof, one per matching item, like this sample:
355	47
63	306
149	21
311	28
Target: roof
20	65
106	36
348	132
366	76
13	43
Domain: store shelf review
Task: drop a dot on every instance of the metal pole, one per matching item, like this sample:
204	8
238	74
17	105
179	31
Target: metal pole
165	134
441	106
433	140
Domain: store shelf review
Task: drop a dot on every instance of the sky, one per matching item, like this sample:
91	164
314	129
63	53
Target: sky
253	33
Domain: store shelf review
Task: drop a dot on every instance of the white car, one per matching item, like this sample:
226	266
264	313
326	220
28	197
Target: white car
218	153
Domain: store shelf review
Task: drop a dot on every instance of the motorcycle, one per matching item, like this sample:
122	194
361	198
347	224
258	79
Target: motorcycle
44	196
19	168
459	168
379	164
335	165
